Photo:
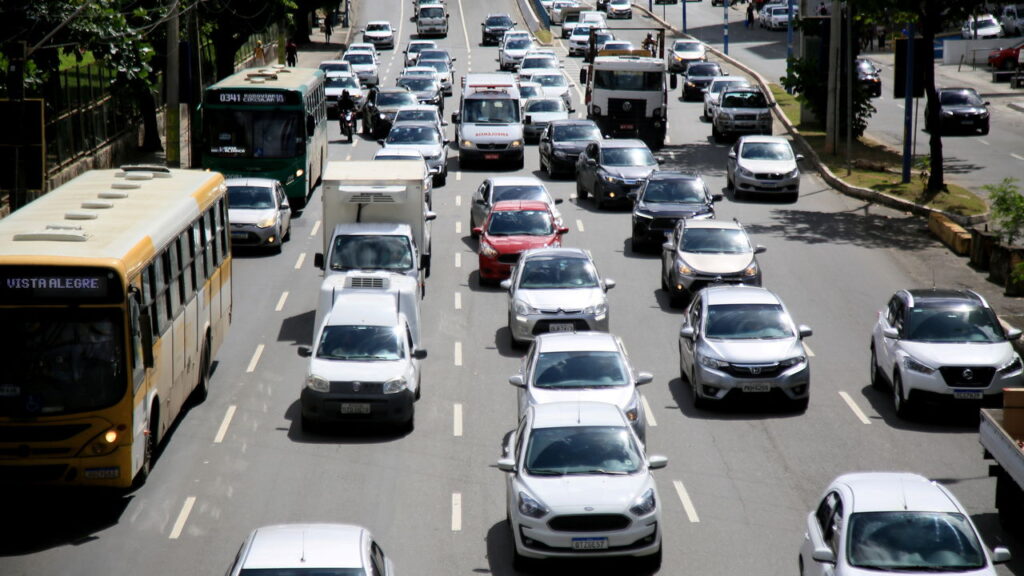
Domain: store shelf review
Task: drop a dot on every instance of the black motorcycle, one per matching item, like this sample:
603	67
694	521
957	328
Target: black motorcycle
348	124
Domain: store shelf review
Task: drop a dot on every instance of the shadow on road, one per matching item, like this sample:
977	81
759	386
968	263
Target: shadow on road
851	227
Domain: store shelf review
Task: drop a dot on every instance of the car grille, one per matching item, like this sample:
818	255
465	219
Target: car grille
589	523
967	376
18	433
244	238
508	258
544	326
494	146
346	387
622	108
753	370
769	175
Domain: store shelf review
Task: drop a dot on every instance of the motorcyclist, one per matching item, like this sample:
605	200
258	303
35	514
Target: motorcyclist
346	104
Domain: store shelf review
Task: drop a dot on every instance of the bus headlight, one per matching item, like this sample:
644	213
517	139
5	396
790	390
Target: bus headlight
103	444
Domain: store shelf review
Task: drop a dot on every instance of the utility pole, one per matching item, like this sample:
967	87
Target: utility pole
684	17
725	25
832	109
173	112
848	62
908	107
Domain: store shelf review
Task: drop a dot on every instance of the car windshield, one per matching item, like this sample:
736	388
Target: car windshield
378	27
550	80
360	343
618	45
628	80
335	67
413	135
673	191
575	132
432	12
342	82
627	157
417	83
434	54
416	48
701	69
529	91
744	100
437	65
420	115
552	105
866	67
539	63
909	541
766	151
396	99
747	322
370	252
582	450
359	57
980	23
518	44
715	241
490	111
959	98
591	369
686	46
520	223
952	323
499	21
553	274
519	192
250	197
718	86
236	133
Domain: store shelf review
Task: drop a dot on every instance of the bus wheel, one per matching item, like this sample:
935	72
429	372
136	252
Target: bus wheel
151	439
202	389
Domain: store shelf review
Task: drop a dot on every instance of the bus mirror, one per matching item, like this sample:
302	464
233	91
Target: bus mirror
146	327
673	82
310	124
583	76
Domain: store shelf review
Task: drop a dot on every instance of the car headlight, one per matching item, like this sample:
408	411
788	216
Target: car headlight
314	382
677	57
395	385
690	84
915	366
713	363
725	115
487	250
267	222
465	144
645	504
794	174
794	361
643	215
683	268
597	309
947	113
596	110
632	411
1011	367
745	172
516	144
750	270
531	507
522	308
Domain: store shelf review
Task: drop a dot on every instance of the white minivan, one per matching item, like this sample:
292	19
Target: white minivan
431	21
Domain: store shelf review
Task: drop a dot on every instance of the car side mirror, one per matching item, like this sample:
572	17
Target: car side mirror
631	195
559	200
805	331
988	103
478	230
318	260
687	332
760	249
590	160
656	462
660	161
419	354
506	284
608	284
305	351
725	73
445	142
562	230
732	154
455	117
824	554
1000	555
380	142
429	216
717	198
443	123
799	157
644	378
583	76
1013	334
668	246
517	381
507	465
890	333
572	110
529	119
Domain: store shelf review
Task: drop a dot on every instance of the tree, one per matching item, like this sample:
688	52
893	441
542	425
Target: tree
230	24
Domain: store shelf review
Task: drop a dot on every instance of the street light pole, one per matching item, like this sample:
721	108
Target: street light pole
684	16
725	26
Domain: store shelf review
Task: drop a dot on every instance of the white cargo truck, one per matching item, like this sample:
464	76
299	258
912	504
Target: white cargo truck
627	96
375	218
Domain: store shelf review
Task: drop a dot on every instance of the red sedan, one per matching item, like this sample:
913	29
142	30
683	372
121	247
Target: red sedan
1004	58
512	227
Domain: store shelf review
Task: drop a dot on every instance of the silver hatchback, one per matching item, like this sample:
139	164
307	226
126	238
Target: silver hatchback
742	340
556	290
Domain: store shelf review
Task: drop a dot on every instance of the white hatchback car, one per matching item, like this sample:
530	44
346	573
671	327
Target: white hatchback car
316	548
892	523
579	484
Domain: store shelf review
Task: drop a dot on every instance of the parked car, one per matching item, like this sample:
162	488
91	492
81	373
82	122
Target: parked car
562	142
942	346
413	49
381	106
380	34
512	227
258	212
664	199
893	522
683	53
981	26
611	169
741	111
714	91
579	485
763	165
539	112
960	110
501	188
1005	58
423	137
869	77
778	17
697	77
742	340
494	27
584	366
698	253
1012	19
289	549
556	290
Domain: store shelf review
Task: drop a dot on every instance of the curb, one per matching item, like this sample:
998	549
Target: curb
1018	106
827	175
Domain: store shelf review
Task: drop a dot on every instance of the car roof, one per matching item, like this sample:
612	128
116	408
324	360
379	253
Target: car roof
542	99
718	294
712	224
749	88
412	154
409	69
762	138
395	90
560	252
958	89
576	341
246	181
516	181
573	414
378	22
305	546
517	205
946	295
622	143
416	124
422	108
340	74
573	121
364	309
895	491
674	175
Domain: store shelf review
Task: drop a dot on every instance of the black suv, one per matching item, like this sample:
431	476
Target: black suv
664	199
381	106
494	27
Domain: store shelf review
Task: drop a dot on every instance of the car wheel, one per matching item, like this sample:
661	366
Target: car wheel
287	233
899	402
706	116
877	381
441	179
664	282
635	244
699	402
521	563
729	182
515	342
715	134
652	563
984	129
472	225
308	424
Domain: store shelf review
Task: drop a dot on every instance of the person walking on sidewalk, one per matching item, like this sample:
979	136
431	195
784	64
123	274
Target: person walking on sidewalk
259	56
292	53
750	15
328	25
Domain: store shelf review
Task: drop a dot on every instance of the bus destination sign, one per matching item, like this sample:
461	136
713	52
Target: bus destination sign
253	97
27	284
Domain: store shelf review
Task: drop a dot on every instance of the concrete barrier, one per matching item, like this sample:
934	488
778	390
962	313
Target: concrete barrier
950	233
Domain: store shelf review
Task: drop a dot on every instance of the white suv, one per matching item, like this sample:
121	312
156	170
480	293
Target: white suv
942	345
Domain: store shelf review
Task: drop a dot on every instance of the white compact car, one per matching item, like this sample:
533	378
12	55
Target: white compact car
579	485
763	165
380	34
320	548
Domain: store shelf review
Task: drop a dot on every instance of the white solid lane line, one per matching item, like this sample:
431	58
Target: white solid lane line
255	359
853	406
298	263
458	300
808	350
458	259
223	430
179	524
684	497
456	511
651	421
281	301
465	31
316	228
457	420
458	353
579	225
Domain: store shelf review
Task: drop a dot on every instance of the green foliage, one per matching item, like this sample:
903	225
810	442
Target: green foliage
1007	208
811	88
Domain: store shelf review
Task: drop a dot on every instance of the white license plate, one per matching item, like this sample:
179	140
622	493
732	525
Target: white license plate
562	327
355	408
626	126
589	543
757	387
968	394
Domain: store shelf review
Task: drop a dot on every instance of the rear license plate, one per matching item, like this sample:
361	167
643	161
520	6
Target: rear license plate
967	122
626	126
589	543
968	394
355	408
560	327
764	387
490	156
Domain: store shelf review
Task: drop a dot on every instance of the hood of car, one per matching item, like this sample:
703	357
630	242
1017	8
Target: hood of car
700	79
754	351
553	91
620	396
671	210
959	354
516	244
774	166
547	116
586	494
425	93
688	54
250	215
569	146
362	68
515	52
362	371
565	299
629	172
718	263
377	34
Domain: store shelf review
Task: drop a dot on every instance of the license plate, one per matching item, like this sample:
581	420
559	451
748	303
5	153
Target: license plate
355	408
589	543
968	394
490	156
764	387
626	126
561	327
966	122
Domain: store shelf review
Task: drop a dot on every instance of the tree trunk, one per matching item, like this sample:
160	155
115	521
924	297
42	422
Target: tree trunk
936	177
226	45
147	108
302	31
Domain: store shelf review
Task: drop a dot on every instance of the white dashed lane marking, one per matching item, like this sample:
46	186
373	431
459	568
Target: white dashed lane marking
298	263
223	430
456	511
579	225
458	300
684	497
458	353
255	359
316	228
179	524
457	420
281	301
854	407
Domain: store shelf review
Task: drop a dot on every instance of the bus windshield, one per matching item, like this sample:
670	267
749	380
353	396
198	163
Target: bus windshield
254	133
60	361
628	80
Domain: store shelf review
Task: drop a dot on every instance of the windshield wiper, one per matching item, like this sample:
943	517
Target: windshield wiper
544	472
600	471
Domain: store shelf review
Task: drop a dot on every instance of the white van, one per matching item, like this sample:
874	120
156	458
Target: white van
1012	19
431	20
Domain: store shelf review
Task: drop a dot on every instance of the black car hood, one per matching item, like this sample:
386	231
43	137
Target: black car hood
570	146
671	210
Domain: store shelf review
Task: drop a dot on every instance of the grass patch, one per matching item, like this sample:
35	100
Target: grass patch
877	167
544	36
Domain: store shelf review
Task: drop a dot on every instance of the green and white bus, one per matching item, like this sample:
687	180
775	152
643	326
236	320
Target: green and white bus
271	123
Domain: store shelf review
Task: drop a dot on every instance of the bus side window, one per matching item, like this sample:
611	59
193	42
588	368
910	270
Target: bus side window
199	266
138	369
208	243
160	296
222	230
186	279
172	273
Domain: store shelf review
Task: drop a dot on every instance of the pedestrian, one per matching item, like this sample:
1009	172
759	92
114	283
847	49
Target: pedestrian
750	15
259	55
292	52
328	25
822	11
880	32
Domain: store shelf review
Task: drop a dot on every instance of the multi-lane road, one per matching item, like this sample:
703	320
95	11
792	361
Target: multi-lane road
740	481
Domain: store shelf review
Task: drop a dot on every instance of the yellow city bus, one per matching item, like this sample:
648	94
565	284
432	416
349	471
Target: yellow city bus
115	294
